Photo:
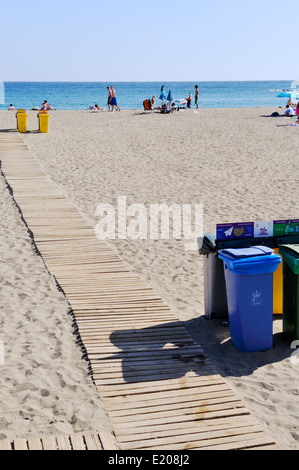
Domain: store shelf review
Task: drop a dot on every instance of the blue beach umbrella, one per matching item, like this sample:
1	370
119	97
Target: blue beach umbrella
162	94
289	94
169	96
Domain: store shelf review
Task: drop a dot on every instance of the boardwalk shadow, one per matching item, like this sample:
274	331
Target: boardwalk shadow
171	350
34	131
160	352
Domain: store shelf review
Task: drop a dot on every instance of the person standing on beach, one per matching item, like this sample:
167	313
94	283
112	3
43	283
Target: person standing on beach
153	101
189	99
196	96
113	99
109	98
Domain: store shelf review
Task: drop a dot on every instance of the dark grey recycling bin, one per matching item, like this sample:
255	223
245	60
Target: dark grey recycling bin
214	281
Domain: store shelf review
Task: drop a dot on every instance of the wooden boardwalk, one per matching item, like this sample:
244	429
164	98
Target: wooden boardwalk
159	389
100	441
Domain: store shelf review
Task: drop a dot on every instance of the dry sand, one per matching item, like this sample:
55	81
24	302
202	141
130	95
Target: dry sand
239	163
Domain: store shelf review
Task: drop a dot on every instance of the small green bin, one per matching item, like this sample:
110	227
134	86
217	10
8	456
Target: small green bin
290	316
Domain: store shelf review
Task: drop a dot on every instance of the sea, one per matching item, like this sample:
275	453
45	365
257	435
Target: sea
130	95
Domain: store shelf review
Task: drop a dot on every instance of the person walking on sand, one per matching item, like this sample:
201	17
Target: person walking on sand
196	96
109	98
113	99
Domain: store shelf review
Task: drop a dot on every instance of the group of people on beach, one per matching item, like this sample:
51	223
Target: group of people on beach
171	105
112	103
189	99
45	106
292	109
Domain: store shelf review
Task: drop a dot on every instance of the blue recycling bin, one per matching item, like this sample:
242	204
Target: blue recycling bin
249	288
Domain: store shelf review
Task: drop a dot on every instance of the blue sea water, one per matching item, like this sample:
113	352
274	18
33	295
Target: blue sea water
130	95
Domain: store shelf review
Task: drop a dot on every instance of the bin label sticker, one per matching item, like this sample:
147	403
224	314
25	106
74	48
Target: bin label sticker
263	228
286	227
234	231
256	298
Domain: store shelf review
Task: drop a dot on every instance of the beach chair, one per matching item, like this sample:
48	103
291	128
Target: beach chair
147	105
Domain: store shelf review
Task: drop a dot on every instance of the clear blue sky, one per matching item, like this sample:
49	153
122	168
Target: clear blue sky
140	40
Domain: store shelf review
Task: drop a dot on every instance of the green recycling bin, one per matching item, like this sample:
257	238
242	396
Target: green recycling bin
290	314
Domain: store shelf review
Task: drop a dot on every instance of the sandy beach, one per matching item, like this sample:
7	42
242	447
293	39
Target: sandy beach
238	163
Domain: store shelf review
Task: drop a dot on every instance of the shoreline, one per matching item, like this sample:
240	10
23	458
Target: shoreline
141	109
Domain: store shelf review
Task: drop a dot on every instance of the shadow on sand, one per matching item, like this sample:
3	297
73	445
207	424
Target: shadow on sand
15	130
167	351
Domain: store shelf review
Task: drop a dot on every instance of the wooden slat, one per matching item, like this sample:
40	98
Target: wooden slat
34	444
5	444
77	442
63	443
93	442
107	441
49	443
20	444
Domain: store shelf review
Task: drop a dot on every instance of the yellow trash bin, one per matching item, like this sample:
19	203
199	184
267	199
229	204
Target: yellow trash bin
22	120
43	121
277	288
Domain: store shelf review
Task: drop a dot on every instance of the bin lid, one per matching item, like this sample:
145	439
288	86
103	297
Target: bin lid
293	249
237	253
290	254
207	243
254	260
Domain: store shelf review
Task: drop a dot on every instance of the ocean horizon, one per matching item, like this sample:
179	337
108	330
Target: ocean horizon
130	95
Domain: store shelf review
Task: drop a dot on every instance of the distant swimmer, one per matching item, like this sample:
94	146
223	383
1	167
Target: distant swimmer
11	108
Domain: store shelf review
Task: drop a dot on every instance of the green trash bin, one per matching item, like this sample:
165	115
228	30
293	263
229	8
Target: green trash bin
290	315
